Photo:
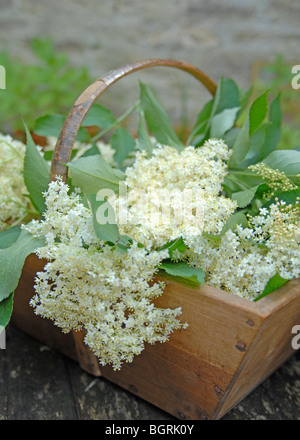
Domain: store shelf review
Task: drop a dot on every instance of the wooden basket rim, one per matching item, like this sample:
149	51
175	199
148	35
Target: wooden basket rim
262	308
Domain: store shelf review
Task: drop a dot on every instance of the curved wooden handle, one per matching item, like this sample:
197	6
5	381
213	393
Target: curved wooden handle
66	139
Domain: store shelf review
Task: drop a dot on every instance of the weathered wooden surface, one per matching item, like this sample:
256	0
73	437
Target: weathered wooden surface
37	383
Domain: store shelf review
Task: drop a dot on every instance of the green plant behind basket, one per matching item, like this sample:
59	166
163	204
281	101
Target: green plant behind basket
277	75
50	85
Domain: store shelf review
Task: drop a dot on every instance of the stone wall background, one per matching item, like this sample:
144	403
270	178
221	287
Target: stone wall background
222	37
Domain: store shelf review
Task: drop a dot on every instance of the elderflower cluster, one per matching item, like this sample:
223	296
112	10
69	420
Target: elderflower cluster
170	181
242	261
14	204
87	284
276	180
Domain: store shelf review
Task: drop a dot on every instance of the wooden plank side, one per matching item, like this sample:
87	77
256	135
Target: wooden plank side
177	390
272	347
215	328
188	375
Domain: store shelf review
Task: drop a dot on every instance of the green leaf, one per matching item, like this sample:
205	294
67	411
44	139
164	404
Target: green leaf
272	137
275	114
93	151
244	97
241	146
123	143
177	245
227	96
93	173
143	141
231	136
51	125
36	173
273	284
6	308
242	180
258	112
287	161
109	231
290	197
267	137
201	122
243	198
222	122
12	261
157	119
184	271
100	116
237	218
9	236
257	143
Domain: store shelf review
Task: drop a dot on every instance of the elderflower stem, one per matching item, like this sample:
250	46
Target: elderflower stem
243	173
235	180
116	123
12	148
6	161
17	202
17	222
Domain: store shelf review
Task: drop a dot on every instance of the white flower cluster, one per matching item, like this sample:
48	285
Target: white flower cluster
153	181
14	204
89	285
243	261
276	180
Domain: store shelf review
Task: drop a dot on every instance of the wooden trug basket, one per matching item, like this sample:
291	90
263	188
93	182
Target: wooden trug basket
231	344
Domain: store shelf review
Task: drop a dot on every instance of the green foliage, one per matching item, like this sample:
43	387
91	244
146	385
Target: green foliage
107	231
175	245
252	128
16	245
92	173
99	116
36	173
157	119
51	125
50	85
274	283
277	76
9	236
123	143
144	142
184	272
6	309
218	115
12	260
287	161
